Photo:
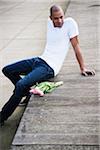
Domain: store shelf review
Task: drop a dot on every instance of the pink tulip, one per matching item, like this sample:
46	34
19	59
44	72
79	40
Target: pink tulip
37	91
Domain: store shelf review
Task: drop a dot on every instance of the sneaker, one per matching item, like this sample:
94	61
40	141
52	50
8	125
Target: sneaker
1	120
25	101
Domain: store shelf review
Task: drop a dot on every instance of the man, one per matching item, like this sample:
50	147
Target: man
60	33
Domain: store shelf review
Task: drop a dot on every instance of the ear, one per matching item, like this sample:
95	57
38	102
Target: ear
50	17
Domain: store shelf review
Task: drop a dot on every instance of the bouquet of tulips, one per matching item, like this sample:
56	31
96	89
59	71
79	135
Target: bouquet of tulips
45	87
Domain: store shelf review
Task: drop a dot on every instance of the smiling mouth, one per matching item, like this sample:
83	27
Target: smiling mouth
60	25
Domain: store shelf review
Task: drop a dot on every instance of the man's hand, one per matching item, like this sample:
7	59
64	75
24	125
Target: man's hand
87	72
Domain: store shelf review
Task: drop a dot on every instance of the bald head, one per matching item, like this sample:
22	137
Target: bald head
57	16
55	8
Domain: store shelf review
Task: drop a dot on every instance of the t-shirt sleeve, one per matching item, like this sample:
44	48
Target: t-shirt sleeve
73	28
49	24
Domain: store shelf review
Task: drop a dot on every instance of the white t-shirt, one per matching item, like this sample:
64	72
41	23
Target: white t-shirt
57	45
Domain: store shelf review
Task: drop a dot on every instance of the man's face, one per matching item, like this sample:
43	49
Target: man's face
57	18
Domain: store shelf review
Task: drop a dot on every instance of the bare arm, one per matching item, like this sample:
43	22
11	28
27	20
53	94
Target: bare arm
78	54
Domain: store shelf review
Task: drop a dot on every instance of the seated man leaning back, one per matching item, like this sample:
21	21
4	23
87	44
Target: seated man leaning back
60	33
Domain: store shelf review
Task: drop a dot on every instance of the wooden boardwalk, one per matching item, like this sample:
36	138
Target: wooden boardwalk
69	117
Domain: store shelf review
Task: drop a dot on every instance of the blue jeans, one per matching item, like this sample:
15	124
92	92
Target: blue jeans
34	70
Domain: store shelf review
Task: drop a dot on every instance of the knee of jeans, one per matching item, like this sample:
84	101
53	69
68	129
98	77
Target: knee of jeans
5	70
20	85
21	89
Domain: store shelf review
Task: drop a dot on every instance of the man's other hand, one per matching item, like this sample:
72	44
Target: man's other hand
87	73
